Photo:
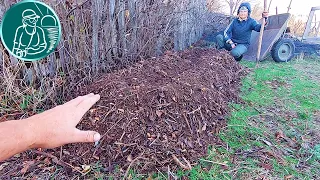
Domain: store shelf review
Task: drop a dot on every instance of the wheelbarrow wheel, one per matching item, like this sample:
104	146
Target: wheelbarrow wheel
283	50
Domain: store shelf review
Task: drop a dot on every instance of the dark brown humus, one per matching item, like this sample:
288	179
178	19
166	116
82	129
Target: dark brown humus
171	105
153	115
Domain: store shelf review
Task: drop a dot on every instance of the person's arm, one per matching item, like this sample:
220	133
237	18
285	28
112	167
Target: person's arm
50	129
257	26
15	137
228	33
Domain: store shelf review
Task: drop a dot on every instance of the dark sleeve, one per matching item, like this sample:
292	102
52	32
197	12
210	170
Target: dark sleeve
257	26
228	32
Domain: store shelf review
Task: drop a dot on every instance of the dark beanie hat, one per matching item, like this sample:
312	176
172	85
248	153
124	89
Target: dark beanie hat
247	5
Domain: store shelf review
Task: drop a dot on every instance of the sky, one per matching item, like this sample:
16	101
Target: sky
300	8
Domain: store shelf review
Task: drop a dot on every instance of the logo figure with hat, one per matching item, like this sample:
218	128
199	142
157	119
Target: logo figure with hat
29	38
30	30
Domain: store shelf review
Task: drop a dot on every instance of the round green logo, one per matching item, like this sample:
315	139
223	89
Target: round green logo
30	30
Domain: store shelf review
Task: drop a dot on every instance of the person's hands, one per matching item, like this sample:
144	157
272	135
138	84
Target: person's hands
232	44
57	126
265	14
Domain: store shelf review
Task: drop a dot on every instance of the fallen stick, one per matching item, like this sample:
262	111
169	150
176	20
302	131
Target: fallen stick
178	162
131	163
222	164
185	118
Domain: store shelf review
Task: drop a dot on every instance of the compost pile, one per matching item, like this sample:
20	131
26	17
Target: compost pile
160	112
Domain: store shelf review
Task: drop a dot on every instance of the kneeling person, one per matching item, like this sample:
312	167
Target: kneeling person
236	37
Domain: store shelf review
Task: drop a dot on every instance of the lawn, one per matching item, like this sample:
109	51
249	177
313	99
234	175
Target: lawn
275	133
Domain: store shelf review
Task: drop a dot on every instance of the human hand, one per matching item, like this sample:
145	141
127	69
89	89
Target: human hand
265	14
57	126
233	46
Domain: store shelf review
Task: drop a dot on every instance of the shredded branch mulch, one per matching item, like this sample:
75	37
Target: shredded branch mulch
158	113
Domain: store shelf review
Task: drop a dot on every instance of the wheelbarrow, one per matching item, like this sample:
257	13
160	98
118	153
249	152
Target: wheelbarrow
282	49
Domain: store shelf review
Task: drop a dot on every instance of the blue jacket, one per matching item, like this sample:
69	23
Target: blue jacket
240	31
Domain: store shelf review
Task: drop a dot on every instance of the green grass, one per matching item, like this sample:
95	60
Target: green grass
278	97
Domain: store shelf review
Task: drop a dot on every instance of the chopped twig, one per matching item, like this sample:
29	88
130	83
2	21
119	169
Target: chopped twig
56	160
186	167
131	163
222	164
123	144
185	118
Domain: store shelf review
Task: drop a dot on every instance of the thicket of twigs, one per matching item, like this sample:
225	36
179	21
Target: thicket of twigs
97	36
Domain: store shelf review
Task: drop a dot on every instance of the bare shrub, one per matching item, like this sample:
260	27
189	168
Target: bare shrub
97	36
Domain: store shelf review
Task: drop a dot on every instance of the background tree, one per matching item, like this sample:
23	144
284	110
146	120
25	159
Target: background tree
297	25
233	5
215	6
257	10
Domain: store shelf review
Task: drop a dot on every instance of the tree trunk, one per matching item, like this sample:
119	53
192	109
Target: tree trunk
96	11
